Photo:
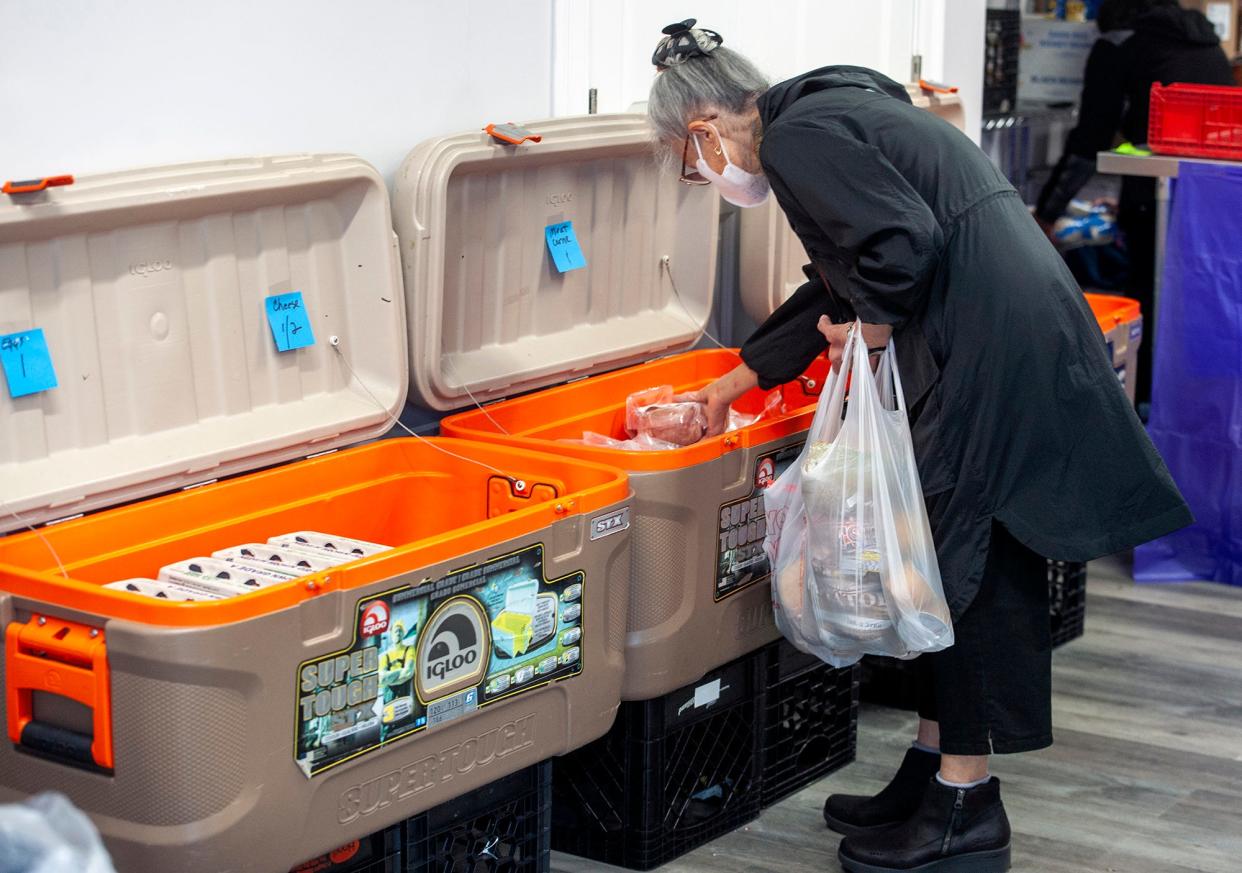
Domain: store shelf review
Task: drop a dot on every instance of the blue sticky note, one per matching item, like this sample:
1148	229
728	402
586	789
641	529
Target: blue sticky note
563	244
291	327
27	364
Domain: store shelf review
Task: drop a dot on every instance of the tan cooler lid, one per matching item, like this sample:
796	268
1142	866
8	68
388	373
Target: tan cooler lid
771	257
150	288
490	315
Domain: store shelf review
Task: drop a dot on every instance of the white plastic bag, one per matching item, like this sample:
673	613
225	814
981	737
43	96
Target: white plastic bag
47	834
851	525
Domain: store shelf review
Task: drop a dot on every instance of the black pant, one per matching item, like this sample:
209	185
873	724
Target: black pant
991	691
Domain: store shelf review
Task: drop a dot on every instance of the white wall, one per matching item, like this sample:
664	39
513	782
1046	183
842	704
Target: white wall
607	44
89	85
950	35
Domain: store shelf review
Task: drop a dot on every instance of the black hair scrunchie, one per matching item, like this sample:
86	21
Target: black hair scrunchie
682	41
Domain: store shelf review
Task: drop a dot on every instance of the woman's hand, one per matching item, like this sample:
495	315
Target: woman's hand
719	396
874	335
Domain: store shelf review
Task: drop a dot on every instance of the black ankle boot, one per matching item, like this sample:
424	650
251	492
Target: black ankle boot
858	814
954	830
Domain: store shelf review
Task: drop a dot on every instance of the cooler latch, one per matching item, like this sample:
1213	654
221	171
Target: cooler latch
504	495
67	659
30	186
511	134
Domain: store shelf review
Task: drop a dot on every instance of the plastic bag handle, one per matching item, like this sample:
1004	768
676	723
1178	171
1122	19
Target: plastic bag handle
827	420
888	370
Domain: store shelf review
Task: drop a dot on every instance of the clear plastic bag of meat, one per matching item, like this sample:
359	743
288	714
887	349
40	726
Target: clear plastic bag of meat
659	414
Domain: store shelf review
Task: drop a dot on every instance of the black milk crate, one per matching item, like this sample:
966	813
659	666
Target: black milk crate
810	725
504	827
378	853
1002	43
673	773
890	682
1067	600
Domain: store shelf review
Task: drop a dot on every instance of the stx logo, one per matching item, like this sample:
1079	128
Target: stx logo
613	522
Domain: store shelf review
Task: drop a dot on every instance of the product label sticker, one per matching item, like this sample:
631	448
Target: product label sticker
291	327
741	561
425	655
1136	329
707	693
563	245
26	362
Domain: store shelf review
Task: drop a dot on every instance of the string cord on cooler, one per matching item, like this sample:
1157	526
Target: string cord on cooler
480	406
666	264
517	483
46	542
335	343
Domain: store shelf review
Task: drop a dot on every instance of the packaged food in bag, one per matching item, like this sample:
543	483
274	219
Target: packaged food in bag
659	414
871	583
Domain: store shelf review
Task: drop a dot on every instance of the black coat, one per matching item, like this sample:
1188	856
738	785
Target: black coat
1015	411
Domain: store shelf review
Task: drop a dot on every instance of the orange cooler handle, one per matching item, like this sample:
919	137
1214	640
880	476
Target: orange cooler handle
64	658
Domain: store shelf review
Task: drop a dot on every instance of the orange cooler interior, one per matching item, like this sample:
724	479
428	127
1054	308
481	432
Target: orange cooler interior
428	505
542	420
1111	311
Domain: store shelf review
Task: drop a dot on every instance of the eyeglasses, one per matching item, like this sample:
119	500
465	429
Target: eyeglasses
688	176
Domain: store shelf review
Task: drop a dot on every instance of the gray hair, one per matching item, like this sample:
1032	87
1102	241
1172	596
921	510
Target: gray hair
723	81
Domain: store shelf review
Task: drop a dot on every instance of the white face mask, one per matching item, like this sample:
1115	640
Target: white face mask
735	184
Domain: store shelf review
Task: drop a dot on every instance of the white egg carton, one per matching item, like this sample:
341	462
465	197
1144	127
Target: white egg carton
301	538
164	590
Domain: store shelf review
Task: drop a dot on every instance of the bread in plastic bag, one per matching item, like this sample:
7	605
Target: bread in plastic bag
47	834
851	523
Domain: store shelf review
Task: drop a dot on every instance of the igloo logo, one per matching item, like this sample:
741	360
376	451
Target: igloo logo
374	619
453	650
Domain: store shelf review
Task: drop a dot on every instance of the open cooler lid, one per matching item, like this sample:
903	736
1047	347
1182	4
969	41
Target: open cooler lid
490	315
771	257
150	288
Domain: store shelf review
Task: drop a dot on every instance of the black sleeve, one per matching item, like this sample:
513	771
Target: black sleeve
1102	104
784	345
862	203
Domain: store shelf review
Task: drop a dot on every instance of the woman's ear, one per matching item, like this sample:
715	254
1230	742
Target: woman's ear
706	133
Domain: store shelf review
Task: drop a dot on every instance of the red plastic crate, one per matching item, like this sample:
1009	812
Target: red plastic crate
1198	121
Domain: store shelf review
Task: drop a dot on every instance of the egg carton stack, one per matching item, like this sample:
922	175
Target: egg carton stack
250	567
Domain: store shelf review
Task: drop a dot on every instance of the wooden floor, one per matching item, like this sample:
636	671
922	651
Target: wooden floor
1145	775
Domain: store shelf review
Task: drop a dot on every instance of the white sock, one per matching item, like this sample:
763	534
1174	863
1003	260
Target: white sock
923	748
974	784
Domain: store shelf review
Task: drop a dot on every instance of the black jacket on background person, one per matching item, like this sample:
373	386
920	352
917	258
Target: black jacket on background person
1168	44
1015	412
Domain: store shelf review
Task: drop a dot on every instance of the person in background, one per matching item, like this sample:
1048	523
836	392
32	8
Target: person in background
1025	442
1141	42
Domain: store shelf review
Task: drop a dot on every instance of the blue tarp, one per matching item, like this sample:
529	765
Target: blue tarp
1196	410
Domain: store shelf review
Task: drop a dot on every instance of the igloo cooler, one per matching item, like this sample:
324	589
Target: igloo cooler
253	731
494	316
1121	320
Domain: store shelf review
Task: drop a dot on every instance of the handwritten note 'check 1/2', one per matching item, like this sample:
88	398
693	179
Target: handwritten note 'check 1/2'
563	246
27	363
290	323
